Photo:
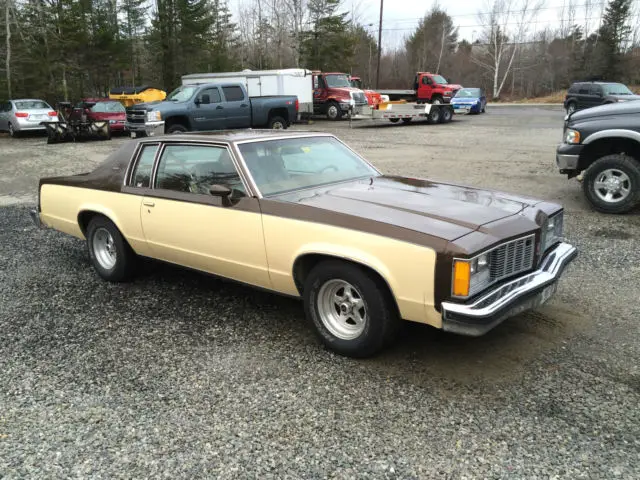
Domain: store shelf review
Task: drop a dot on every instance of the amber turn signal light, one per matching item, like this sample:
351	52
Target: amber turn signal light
461	278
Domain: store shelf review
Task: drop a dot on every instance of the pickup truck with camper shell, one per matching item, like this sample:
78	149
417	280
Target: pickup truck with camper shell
602	144
211	106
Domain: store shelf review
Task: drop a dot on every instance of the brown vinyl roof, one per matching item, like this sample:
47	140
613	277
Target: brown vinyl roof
231	136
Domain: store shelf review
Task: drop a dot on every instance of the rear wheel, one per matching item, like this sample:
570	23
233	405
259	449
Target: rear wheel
434	115
406	120
110	254
612	184
351	309
12	131
446	115
277	123
333	111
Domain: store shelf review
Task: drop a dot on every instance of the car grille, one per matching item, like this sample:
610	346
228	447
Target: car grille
360	98
136	116
506	260
511	258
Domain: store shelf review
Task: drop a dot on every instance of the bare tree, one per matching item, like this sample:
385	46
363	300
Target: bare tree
7	61
505	26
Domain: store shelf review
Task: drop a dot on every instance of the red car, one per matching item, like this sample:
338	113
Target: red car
101	109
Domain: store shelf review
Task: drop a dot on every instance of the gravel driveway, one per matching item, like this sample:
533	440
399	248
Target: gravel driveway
178	375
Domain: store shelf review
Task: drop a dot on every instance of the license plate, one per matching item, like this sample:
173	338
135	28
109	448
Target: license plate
461	109
547	293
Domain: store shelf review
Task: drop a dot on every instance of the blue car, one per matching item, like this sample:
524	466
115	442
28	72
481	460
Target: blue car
469	100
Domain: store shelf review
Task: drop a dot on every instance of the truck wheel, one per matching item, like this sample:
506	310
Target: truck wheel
437	100
612	184
277	123
110	254
445	115
176	128
394	120
406	120
352	310
434	115
333	111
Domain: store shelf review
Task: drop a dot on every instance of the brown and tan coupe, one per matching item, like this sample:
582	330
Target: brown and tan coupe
303	215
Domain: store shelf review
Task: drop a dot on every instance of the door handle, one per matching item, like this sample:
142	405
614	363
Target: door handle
244	105
148	203
219	107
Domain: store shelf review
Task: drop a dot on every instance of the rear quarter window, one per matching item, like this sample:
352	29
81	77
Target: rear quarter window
141	176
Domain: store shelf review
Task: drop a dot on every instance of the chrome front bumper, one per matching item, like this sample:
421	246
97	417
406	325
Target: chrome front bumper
149	129
524	293
567	162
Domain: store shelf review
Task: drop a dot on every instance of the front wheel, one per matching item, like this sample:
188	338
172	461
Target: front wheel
176	128
351	309
333	111
110	254
612	184
436	101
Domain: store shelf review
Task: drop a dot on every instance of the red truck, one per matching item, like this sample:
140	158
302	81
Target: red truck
333	95
427	88
373	97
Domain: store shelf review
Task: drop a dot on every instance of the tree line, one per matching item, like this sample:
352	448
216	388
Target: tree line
68	49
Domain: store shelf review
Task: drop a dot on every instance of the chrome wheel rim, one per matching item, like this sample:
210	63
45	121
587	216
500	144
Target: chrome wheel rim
277	126
104	248
437	101
612	185
342	309
332	112
11	131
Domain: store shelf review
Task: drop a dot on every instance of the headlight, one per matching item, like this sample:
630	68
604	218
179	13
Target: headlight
572	136
153	116
552	231
469	275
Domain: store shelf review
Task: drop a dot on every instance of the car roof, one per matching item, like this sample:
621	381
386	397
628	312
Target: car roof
234	136
28	100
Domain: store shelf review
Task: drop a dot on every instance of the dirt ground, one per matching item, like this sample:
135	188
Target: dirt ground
234	383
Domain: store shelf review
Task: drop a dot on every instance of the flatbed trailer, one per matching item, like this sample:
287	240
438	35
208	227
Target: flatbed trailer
396	111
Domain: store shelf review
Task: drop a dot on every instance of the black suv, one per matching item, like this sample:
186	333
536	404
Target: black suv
604	143
591	94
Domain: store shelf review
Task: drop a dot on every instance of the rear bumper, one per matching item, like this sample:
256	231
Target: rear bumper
524	293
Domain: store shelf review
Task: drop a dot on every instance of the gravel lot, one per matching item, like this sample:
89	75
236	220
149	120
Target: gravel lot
178	375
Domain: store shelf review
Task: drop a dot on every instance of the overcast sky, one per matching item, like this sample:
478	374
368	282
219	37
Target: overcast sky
400	17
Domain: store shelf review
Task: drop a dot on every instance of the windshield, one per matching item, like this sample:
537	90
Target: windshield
468	93
31	105
182	94
279	166
337	81
439	79
616	89
356	83
108	107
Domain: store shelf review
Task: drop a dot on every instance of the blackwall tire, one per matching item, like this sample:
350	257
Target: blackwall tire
612	184
111	256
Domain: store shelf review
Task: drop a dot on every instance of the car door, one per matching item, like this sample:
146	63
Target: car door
319	90
236	105
595	95
208	110
185	224
425	88
583	96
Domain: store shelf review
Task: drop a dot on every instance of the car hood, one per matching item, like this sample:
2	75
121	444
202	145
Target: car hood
452	86
343	91
465	99
441	210
624	98
621	108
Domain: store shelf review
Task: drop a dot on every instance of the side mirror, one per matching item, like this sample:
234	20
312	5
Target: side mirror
219	190
205	100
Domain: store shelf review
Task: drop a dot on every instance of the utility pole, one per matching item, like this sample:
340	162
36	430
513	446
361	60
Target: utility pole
379	45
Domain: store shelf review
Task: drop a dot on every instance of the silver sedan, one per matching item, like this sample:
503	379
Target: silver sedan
24	115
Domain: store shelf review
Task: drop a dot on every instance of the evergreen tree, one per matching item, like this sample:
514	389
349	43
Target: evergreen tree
430	47
613	36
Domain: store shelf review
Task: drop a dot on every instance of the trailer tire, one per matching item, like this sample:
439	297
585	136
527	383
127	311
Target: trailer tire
445	115
406	120
394	120
434	115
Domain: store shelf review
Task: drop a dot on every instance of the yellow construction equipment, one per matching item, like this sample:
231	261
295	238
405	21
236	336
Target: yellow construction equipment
129	96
